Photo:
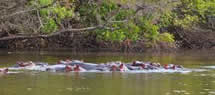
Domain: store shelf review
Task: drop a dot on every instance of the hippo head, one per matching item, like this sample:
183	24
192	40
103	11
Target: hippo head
121	67
68	68
134	63
77	68
60	62
114	68
6	70
166	66
143	66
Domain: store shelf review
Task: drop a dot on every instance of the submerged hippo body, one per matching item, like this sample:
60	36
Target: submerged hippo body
87	66
57	67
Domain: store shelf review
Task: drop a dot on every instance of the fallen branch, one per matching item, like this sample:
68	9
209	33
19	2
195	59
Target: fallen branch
73	30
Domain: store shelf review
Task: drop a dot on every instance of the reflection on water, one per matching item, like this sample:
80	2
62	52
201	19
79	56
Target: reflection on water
46	83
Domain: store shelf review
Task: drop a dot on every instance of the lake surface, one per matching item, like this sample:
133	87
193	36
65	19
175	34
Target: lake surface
116	83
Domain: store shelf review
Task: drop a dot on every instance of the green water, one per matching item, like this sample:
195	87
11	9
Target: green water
46	83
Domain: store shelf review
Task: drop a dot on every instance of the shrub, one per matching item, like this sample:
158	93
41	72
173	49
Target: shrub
52	15
166	37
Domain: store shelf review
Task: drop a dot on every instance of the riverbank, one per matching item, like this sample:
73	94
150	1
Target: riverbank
138	26
83	42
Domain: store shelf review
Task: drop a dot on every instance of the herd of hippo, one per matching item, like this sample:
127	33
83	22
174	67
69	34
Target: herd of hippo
80	66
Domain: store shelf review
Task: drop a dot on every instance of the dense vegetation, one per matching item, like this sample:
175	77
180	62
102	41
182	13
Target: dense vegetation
119	21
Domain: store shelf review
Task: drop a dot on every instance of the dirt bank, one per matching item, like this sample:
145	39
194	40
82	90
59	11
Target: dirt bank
194	39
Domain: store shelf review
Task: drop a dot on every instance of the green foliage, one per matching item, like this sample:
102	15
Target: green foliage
94	13
101	13
131	29
124	31
187	21
52	15
106	7
124	14
45	2
189	13
167	19
49	26
202	8
150	31
134	28
166	37
192	12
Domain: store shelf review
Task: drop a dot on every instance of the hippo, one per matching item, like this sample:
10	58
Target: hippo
172	66
4	70
118	67
24	64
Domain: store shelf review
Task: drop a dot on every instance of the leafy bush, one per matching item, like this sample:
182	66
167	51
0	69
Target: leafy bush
49	26
52	15
187	21
166	19
132	29
166	37
193	12
202	8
